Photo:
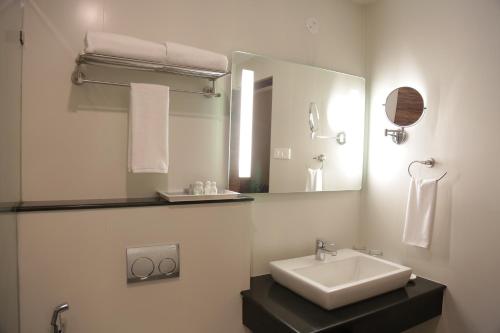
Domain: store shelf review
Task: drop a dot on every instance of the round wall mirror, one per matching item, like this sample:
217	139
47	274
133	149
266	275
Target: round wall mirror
404	106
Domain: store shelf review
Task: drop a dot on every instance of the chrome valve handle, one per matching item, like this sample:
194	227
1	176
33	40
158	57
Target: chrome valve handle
56	318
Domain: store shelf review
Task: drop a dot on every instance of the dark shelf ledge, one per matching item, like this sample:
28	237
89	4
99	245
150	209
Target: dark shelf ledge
270	308
38	206
8	207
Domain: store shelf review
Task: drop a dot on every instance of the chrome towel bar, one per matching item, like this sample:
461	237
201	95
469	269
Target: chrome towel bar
79	78
143	65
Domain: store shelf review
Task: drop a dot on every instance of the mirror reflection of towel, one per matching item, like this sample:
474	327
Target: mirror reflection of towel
314	180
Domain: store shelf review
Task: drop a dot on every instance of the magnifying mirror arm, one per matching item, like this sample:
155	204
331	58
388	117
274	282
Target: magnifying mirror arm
398	136
340	137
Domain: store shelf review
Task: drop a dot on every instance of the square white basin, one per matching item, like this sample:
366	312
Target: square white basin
346	278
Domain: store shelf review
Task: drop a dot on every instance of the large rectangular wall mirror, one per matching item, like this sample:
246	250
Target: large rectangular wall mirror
294	128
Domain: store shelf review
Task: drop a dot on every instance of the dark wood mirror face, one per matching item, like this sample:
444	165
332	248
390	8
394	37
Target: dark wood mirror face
404	106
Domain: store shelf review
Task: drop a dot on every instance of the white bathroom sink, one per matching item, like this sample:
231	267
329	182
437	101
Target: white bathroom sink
348	277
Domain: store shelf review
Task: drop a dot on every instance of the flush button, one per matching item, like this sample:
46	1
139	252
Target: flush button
143	267
154	262
167	266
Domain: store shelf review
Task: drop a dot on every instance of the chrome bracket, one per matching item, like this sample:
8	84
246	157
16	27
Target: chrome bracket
341	138
320	158
399	135
78	77
210	91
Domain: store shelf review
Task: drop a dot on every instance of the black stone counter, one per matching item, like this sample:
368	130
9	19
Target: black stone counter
8	207
37	206
271	308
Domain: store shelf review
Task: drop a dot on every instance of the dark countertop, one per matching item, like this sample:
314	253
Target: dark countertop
36	206
270	307
8	207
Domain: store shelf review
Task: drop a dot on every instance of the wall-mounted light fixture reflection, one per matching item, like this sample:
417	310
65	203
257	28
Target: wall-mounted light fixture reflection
246	124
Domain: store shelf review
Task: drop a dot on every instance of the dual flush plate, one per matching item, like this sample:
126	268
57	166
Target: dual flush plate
152	263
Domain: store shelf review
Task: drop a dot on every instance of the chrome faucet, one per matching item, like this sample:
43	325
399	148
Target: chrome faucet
56	317
323	247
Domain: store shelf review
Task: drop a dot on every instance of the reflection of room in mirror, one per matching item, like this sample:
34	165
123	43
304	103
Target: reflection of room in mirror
299	112
258	179
313	119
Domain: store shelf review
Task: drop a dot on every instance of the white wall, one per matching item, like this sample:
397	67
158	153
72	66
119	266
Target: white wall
74	141
79	258
450	51
9	304
75	138
10	100
10	158
286	225
75	144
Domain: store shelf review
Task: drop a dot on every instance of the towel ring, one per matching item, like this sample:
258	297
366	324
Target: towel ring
320	158
429	163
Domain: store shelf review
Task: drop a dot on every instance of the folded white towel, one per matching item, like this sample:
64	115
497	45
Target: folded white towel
420	212
314	180
148	128
124	46
184	55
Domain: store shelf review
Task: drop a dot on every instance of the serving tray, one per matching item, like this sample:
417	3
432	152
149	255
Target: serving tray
183	196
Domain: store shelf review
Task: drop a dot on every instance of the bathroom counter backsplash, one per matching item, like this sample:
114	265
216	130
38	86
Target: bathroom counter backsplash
33	206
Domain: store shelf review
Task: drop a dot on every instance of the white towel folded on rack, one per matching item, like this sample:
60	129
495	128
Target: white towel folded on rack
124	46
420	212
184	55
314	180
148	128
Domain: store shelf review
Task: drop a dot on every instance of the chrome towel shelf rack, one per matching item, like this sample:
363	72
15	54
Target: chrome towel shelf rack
80	78
429	163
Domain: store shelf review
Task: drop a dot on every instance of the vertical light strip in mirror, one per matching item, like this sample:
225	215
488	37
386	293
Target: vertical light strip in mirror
246	123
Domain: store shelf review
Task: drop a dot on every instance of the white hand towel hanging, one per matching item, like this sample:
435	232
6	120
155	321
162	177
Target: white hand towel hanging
420	212
148	128
314	180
